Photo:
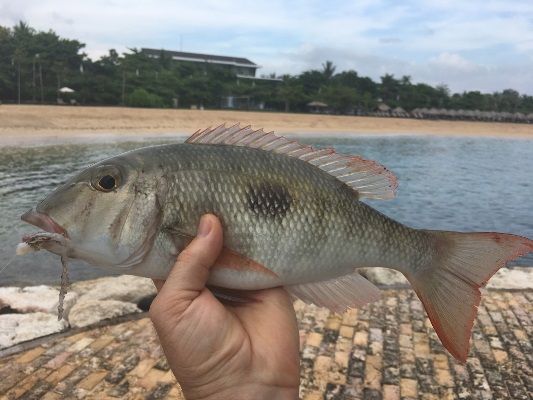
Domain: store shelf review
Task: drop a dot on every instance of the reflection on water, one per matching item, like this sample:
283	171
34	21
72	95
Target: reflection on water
465	184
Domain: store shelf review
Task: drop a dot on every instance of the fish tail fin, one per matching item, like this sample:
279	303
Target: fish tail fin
449	287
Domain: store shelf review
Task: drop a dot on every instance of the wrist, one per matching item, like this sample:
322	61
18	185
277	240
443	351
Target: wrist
244	392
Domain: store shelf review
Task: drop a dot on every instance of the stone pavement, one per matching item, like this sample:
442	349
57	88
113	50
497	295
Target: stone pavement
386	350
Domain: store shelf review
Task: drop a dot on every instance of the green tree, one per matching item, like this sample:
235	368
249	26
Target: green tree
328	69
389	90
291	92
341	99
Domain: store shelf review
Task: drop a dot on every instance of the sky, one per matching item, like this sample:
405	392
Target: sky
484	45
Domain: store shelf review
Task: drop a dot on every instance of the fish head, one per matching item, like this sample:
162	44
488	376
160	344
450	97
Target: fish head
110	213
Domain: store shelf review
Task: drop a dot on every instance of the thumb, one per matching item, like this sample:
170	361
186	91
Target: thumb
191	271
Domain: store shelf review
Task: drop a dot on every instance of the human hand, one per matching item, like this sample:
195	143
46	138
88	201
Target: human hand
217	351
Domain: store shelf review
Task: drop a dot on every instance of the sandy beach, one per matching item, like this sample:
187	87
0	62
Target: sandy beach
27	124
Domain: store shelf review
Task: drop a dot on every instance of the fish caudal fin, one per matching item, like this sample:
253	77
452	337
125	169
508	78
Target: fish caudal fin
449	289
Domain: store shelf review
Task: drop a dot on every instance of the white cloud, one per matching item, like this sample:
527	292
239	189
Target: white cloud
453	61
474	45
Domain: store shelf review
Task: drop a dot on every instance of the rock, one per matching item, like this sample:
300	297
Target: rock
89	311
384	276
512	278
126	288
18	328
34	299
505	278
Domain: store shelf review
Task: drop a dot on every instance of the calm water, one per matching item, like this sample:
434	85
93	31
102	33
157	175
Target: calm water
469	184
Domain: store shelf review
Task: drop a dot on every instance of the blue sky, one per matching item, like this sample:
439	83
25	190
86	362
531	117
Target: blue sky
482	45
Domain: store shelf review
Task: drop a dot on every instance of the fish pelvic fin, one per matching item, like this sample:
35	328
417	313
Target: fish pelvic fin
367	178
449	288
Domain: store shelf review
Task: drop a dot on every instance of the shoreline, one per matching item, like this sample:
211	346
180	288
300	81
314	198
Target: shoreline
30	312
36	125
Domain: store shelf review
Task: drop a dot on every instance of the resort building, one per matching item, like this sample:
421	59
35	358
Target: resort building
242	68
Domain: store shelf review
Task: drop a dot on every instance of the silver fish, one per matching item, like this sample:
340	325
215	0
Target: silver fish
292	217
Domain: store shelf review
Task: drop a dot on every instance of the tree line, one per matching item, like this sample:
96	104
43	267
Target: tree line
35	64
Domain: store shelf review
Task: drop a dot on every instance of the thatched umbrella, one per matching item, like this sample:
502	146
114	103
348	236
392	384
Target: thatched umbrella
497	116
484	115
415	112
491	115
432	113
423	112
383	107
451	114
506	116
476	114
317	106
519	117
469	114
399	112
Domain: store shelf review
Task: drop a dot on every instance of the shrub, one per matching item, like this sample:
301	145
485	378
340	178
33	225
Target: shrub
141	98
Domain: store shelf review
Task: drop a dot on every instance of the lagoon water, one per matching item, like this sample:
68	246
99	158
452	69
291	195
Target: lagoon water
464	184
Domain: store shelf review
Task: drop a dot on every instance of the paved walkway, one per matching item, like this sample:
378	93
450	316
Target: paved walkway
387	350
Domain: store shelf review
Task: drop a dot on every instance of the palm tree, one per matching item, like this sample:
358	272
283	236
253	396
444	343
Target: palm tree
328	69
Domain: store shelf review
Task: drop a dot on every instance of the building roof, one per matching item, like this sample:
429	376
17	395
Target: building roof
262	78
199	57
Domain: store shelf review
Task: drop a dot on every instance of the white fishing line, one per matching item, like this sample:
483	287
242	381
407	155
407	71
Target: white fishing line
9	262
65	283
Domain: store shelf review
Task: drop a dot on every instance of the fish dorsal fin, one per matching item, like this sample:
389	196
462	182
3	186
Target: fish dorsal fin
337	294
368	178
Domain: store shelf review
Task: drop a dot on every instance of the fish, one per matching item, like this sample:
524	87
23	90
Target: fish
293	216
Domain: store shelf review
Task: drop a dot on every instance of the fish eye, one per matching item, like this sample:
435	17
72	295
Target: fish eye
106	178
107	183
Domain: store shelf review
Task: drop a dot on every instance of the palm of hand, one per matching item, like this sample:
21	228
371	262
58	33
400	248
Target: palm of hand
211	347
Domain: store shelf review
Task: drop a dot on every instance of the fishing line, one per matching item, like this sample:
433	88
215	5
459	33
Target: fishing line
9	262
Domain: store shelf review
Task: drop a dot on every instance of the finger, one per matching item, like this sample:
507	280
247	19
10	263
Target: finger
191	271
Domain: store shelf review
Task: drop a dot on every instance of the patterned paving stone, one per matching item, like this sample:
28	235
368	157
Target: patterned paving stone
385	351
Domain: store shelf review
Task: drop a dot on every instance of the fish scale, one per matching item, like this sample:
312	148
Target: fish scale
307	227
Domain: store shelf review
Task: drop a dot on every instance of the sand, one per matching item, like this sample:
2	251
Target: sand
36	124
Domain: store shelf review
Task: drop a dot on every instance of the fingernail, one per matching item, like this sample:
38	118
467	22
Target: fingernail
205	226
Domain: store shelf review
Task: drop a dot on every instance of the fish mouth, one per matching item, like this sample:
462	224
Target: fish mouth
43	221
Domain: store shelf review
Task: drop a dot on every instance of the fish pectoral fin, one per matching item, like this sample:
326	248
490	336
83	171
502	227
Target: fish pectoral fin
338	294
367	178
232	297
231	260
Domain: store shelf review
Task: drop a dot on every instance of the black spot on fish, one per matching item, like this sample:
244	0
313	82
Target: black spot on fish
268	199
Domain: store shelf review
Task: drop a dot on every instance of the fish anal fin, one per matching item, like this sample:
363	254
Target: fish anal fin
338	294
368	178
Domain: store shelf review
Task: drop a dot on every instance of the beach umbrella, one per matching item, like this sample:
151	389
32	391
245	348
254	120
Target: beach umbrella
506	116
66	90
317	104
518	116
399	112
383	107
